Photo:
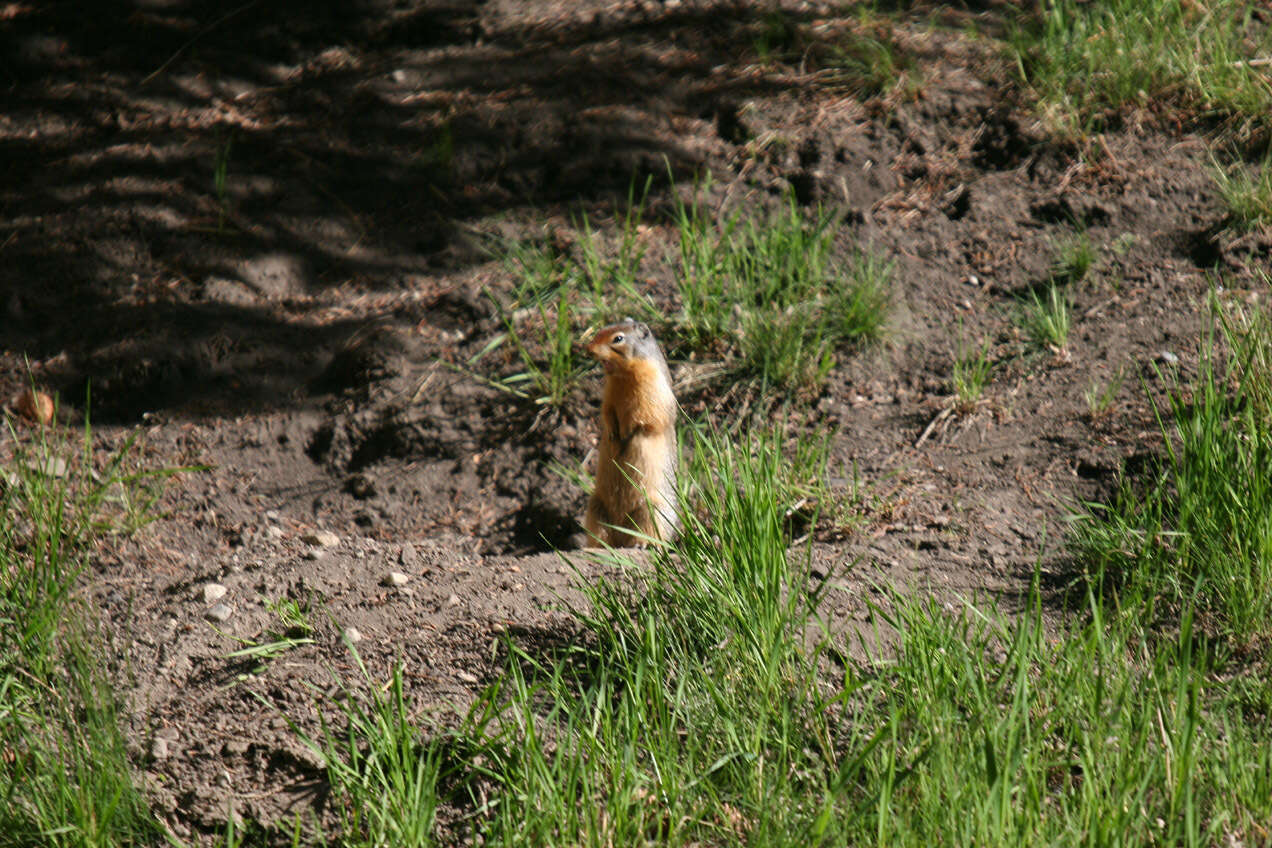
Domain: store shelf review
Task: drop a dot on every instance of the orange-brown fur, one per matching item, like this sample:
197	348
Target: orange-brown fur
636	464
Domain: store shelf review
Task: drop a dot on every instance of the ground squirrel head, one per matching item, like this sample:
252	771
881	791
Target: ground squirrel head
619	345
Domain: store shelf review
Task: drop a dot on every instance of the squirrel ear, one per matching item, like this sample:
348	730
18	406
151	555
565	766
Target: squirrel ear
643	330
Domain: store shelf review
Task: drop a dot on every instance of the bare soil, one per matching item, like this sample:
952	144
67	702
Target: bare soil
295	328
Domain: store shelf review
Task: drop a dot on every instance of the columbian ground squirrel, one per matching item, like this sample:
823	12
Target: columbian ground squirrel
636	465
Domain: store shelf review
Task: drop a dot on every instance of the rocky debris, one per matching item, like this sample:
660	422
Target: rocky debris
219	613
321	538
161	747
49	466
213	592
394	578
235	748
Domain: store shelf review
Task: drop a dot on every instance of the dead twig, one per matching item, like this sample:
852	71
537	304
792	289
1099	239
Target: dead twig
159	70
940	416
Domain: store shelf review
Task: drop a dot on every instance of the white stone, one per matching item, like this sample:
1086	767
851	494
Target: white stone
219	613
321	538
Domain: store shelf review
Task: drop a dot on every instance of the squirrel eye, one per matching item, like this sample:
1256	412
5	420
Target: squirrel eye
617	339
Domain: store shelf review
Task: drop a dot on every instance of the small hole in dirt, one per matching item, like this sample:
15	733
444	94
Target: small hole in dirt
805	188
1201	247
809	155
1090	471
1002	145
542	527
320	444
730	127
396	440
1062	209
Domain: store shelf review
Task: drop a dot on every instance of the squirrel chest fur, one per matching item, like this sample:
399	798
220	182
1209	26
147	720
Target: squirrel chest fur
636	458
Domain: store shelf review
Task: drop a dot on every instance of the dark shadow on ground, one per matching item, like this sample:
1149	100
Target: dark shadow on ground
192	188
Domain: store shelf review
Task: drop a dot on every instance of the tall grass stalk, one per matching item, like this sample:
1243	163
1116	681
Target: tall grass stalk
697	704
1247	192
1047	319
772	288
1088	62
65	775
384	775
1198	527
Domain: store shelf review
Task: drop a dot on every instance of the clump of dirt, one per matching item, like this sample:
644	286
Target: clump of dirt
265	238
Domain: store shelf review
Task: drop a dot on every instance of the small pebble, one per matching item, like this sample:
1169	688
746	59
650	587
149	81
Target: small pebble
313	553
159	749
467	677
53	466
973	280
219	613
1167	357
234	748
273	531
394	578
321	538
213	592
453	600
351	635
406	556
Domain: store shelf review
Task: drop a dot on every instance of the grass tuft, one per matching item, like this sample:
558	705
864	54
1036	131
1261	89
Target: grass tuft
384	776
1074	256
695	705
970	375
1197	528
1246	194
543	339
1047	319
65	773
1099	396
773	286
1088	64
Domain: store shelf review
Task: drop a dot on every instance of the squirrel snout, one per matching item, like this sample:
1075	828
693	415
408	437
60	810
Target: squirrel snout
597	343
